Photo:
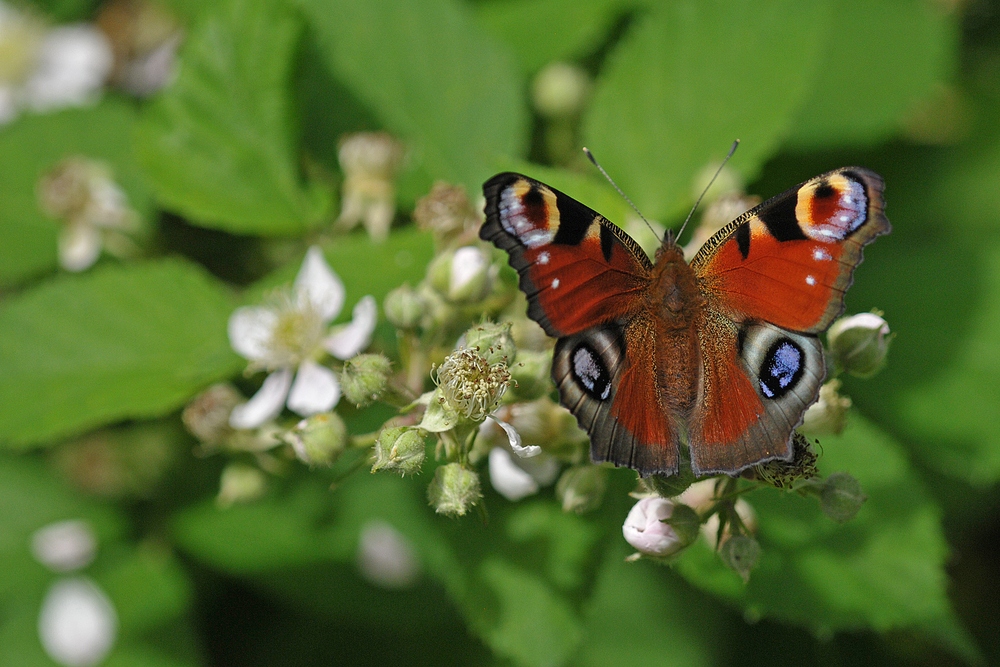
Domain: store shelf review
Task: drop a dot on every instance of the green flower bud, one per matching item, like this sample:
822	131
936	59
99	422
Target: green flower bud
364	378
493	342
404	307
580	489
240	483
840	497
318	440
560	90
463	275
454	490
400	449
740	553
828	415
860	343
469	385
531	373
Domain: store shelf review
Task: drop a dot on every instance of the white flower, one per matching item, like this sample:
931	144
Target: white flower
287	336
645	529
370	161
94	211
65	545
516	477
386	557
78	624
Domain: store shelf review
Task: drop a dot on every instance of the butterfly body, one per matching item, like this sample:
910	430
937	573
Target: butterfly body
719	354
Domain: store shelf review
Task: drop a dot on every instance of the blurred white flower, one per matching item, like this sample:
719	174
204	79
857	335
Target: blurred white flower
516	477
45	70
93	210
386	557
646	531
370	161
288	335
78	624
64	546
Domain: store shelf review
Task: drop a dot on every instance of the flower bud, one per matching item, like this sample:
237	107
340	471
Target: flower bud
860	343
740	553
646	529
446	211
240	483
364	378
840	497
64	546
580	489
493	342
401	449
454	490
469	385
462	275
560	90
206	417
318	440
404	307
386	557
828	415
531	374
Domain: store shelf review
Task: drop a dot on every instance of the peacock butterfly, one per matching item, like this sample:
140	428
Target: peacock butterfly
721	353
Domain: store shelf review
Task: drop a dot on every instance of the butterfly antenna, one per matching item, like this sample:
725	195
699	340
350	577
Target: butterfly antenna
593	160
718	171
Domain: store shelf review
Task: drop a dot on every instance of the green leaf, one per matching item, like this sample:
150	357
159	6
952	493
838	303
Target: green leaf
907	48
543	31
33	145
639	614
149	588
883	570
426	71
121	342
219	146
688	79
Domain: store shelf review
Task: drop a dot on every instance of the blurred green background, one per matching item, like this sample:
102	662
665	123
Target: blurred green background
233	169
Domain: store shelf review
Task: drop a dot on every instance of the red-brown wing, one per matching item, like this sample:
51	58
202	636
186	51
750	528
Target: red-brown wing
577	269
790	260
607	378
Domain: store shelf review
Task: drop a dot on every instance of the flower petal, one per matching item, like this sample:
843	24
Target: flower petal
315	389
356	336
79	247
318	282
73	63
508	478
78	624
515	441
266	403
250	331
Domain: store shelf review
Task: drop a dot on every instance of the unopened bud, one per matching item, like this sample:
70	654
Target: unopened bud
560	90
454	490
493	342
828	415
841	497
446	211
647	530
240	483
580	489
462	275
364	378
404	307
318	440
206	417
740	553
400	449
860	343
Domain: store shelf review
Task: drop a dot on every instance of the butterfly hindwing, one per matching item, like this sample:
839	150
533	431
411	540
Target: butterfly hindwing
577	269
790	260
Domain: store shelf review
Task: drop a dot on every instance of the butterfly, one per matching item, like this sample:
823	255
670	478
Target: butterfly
721	353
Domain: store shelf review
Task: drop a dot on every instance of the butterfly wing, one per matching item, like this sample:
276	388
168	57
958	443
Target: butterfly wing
773	279
584	279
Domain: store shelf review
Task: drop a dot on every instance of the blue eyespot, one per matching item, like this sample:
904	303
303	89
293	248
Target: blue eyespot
782	368
590	372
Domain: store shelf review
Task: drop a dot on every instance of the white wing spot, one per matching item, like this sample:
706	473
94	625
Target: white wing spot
555	283
820	254
543	258
810	280
845	218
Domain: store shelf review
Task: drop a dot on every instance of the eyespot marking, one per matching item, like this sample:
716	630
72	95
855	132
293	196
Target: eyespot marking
590	372
782	368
